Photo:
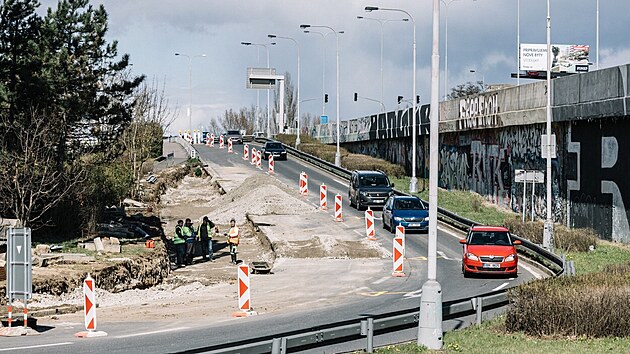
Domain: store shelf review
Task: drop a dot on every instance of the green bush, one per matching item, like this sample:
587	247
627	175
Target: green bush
590	305
364	162
570	240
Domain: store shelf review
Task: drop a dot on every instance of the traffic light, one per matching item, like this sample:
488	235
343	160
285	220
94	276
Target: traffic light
400	98
325	98
356	96
417	99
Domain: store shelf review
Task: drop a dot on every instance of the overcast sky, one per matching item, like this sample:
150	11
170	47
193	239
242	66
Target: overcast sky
481	36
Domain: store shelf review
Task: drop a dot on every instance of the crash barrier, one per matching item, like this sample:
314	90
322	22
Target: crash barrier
258	159
369	224
89	304
246	152
338	206
244	294
323	203
221	142
230	150
398	252
271	164
362	328
303	183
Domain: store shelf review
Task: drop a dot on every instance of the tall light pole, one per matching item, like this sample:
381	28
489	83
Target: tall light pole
190	85
338	153
414	181
297	45
446	3
266	46
548	231
430	332
382	23
323	68
518	42
597	37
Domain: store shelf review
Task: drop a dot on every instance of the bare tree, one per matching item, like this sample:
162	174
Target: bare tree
290	102
467	89
31	182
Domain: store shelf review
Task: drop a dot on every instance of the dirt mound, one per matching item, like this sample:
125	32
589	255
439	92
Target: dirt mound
257	195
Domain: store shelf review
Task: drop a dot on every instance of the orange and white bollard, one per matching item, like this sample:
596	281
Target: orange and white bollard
399	251
221	142
369	224
209	139
230	146
89	301
253	156
10	315
338	215
323	203
246	152
272	166
259	159
303	184
244	295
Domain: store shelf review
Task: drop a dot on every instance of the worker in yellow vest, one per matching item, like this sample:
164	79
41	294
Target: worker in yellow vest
233	238
179	241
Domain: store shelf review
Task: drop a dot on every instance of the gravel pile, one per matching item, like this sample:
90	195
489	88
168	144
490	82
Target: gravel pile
190	190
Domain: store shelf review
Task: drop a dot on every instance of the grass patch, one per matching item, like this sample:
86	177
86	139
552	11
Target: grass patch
605	255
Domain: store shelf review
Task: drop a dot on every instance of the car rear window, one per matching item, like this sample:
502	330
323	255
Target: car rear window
498	238
374	180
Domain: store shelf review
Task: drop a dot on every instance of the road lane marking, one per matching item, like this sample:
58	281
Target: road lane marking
358	233
413	294
153	332
381	280
530	270
36	346
442	254
381	293
345	184
501	286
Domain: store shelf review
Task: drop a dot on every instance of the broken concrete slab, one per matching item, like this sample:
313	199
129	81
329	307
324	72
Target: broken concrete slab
99	244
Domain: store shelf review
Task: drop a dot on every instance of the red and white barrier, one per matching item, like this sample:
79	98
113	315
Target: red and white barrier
303	184
246	152
338	215
212	140
89	301
244	294
208	140
259	159
221	142
272	166
399	252
253	156
369	224
230	146
323	202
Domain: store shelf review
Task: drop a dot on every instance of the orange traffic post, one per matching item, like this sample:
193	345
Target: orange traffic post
271	164
323	203
244	294
89	302
399	252
369	224
338	214
246	152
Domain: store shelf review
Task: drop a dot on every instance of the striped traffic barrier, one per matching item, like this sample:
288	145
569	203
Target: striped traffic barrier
253	156
209	141
399	251
221	142
303	184
246	152
323	203
212	140
258	159
338	215
89	301
230	150
244	293
271	164
369	224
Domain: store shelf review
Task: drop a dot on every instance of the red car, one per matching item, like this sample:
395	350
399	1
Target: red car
489	250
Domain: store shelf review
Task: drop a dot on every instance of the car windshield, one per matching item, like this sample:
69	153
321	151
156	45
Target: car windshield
233	132
409	204
274	146
497	238
374	180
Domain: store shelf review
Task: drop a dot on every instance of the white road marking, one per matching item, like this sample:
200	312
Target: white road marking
501	286
358	233
530	270
345	184
381	280
153	332
413	294
442	254
35	346
450	233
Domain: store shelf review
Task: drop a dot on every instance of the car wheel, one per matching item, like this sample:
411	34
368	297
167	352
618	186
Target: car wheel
384	225
466	274
392	228
358	204
350	201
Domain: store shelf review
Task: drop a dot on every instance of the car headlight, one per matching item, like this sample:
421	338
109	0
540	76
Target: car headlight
363	193
472	257
510	258
398	218
426	219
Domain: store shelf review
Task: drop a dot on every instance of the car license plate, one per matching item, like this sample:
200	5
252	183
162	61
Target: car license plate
415	224
491	265
378	201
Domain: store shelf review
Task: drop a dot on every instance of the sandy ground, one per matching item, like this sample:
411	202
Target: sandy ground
304	256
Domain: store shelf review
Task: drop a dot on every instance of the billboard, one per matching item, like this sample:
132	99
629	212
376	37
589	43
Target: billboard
567	58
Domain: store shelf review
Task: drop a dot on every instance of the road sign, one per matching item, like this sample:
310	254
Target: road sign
323	119
543	146
19	271
529	176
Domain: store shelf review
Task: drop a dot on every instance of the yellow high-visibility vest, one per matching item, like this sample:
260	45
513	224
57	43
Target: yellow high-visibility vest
233	235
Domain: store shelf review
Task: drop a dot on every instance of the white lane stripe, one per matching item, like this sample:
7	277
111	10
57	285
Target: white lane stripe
442	254
35	346
345	184
500	286
536	274
381	280
358	233
153	332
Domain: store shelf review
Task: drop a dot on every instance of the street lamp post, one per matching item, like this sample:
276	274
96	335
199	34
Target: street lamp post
518	42
297	45
414	181
382	23
548	230
446	3
268	104
190	85
338	153
597	36
323	69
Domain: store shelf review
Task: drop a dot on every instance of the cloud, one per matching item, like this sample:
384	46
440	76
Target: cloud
613	57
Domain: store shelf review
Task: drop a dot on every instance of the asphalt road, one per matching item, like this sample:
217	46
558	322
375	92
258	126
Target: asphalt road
386	293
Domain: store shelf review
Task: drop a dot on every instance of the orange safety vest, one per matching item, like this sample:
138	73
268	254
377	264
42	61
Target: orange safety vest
233	235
